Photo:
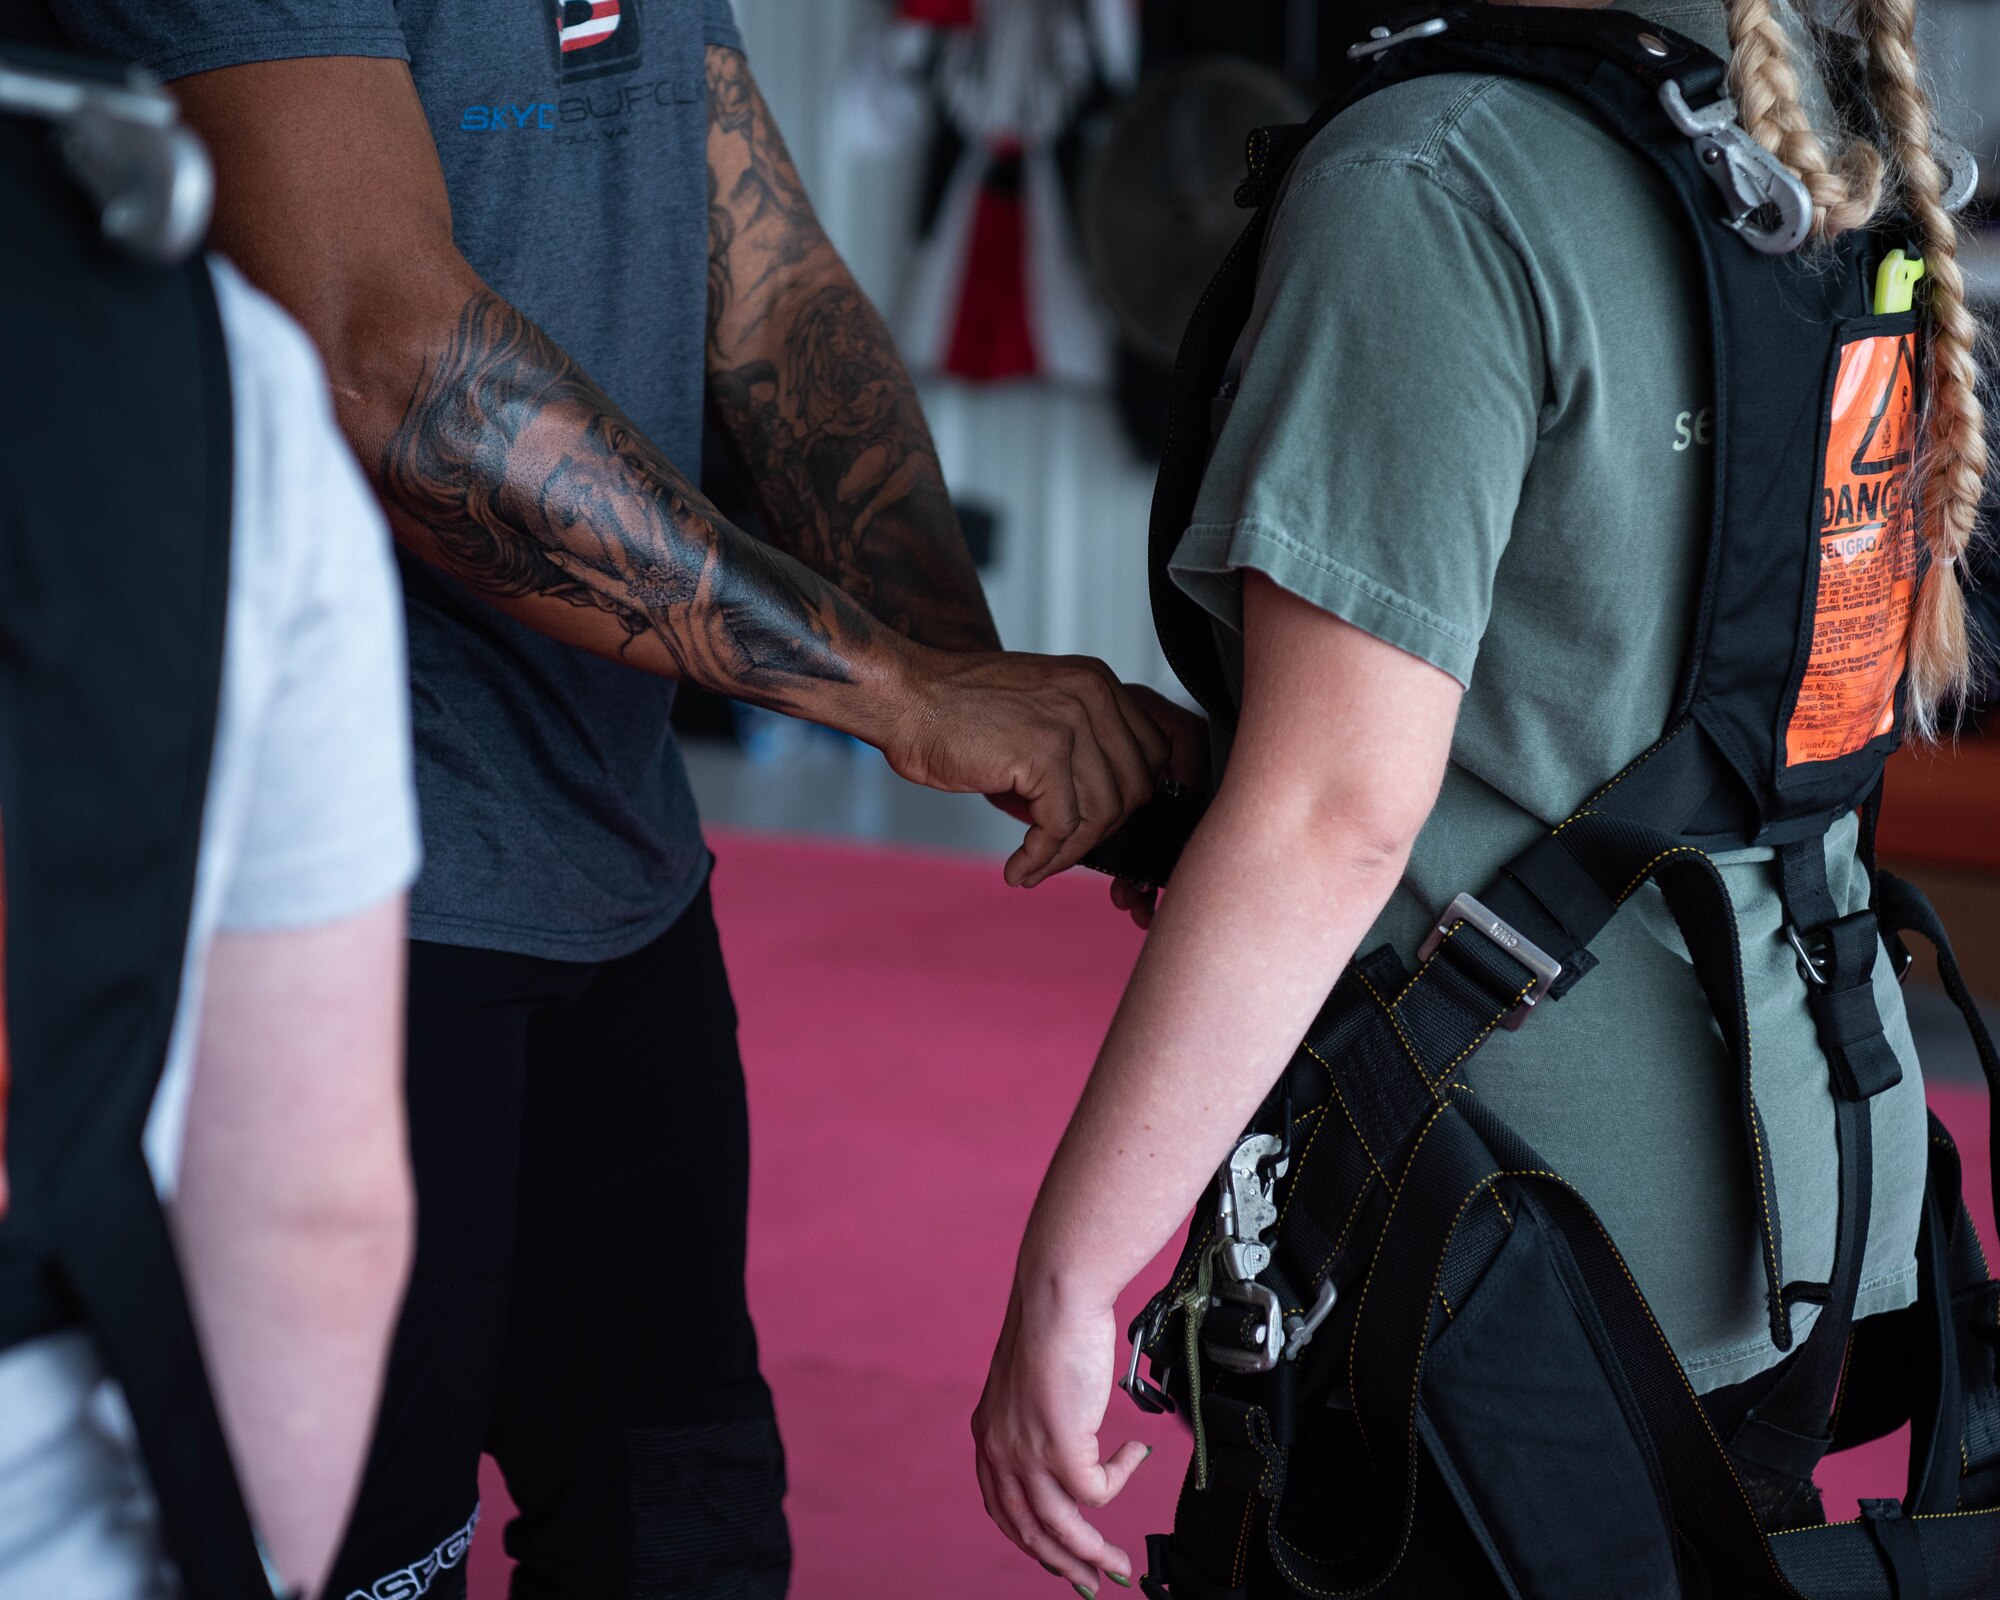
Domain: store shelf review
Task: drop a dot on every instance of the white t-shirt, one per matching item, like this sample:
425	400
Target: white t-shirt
311	810
310	817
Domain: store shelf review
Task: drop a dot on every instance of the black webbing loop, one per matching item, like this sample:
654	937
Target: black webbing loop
1170	1575
1245	1456
1784	1436
1896	1537
1837	957
1937	1396
1565	906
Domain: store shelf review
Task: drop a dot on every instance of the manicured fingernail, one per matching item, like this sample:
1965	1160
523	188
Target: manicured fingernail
1123	1583
1088	1594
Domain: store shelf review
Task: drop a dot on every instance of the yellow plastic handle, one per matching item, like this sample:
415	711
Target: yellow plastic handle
1896	282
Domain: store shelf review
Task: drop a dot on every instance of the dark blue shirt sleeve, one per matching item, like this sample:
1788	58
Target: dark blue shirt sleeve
718	25
173	38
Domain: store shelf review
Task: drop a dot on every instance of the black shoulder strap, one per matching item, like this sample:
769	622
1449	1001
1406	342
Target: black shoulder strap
114	546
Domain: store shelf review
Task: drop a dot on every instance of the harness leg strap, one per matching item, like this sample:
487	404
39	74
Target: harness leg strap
1782	1440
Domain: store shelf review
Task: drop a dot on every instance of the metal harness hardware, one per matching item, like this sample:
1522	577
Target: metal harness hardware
124	144
1518	947
1755	184
1147	1395
1380	39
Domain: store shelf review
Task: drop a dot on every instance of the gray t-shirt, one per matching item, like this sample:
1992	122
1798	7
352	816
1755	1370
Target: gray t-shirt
1472	419
557	817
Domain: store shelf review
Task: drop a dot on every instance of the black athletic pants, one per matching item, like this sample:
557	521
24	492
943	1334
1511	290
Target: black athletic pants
576	1307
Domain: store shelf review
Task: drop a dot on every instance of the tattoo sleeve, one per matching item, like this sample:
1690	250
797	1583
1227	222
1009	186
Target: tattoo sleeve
811	396
529	485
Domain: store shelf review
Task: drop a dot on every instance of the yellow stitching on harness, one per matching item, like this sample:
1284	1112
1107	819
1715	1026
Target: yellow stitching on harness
1241	1564
1423	1341
1346	1228
1914	1516
1403	1038
1646	871
1448	935
1299	1167
1644	1305
1498	1017
1479	1039
1638	761
1769	1234
1345	1112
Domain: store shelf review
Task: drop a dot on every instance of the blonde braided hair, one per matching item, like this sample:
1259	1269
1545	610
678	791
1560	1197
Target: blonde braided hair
1847	190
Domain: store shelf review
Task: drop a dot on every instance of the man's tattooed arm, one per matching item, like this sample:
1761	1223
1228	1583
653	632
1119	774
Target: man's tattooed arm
514	472
811	395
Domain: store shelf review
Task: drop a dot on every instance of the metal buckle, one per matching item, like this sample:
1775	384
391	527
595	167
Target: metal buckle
1517	946
1147	1395
1752	180
1380	39
1812	967
1269	1336
1901	957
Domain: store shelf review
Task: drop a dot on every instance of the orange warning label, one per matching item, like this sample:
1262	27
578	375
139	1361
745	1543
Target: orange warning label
1867	556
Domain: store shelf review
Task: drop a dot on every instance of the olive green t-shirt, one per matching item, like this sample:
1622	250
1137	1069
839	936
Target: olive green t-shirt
1471	417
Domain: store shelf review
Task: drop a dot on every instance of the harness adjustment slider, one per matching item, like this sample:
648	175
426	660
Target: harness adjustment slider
1516	945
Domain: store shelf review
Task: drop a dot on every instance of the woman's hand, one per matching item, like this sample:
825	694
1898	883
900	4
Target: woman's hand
1036	1438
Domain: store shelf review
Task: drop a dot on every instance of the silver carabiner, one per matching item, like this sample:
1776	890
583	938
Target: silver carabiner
124	143
1380	39
1755	184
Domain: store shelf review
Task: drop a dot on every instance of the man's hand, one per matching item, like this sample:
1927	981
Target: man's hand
1057	740
1188	766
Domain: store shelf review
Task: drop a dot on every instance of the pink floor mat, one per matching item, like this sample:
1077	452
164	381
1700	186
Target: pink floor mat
915	1033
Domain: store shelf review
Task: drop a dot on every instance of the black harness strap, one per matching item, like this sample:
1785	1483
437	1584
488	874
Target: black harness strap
113	589
1565	888
1964	1460
1784	1436
1904	908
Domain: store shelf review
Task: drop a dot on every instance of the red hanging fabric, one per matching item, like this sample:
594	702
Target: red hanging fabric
990	337
940	13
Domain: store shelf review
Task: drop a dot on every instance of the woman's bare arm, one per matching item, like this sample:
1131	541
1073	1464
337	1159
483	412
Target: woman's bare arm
1336	765
294	1212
